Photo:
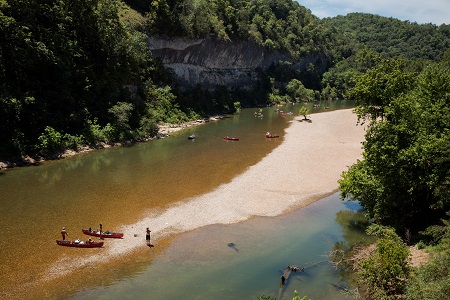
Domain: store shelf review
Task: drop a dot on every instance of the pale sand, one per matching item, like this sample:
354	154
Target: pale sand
303	169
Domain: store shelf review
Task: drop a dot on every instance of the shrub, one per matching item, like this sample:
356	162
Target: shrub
147	128
72	141
386	271
50	141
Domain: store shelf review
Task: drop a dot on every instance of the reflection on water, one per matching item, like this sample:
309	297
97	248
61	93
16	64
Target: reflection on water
354	224
243	261
117	186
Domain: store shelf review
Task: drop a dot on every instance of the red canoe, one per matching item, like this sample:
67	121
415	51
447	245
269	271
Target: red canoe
231	139
105	234
80	244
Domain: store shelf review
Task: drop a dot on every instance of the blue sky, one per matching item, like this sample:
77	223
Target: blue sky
420	11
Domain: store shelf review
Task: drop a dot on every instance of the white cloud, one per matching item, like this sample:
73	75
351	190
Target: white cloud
431	11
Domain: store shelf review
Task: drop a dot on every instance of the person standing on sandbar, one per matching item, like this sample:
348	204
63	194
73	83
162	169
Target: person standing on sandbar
147	237
64	233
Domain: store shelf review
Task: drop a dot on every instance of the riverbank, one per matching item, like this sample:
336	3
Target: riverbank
303	165
303	169
164	130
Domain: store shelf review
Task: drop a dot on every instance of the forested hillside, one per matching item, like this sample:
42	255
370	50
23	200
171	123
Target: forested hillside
403	180
67	69
401	88
76	73
368	38
276	24
80	73
391	37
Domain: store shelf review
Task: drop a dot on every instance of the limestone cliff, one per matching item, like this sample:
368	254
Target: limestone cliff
211	63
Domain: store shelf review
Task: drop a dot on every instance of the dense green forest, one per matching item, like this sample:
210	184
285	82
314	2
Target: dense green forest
401	89
78	73
74	73
392	37
403	180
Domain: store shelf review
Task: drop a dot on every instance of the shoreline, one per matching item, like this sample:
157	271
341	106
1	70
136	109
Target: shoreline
164	130
302	170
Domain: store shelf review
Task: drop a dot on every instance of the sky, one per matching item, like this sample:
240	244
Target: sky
421	11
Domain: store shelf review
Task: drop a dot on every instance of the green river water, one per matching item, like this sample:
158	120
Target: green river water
118	186
202	265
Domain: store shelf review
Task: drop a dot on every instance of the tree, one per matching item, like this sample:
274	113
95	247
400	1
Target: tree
62	63
375	89
121	115
297	91
406	161
385	271
50	141
237	106
338	79
303	111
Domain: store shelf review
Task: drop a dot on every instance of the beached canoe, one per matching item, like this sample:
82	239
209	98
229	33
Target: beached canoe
270	136
105	234
80	244
230	138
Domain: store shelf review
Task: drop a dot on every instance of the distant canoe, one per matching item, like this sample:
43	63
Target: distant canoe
192	136
271	136
79	244
230	138
106	234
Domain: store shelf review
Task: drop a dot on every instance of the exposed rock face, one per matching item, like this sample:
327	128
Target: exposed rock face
211	63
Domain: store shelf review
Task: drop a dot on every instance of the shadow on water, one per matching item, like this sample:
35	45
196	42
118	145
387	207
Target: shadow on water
233	246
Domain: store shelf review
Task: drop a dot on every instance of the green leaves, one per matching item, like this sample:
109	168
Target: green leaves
162	107
375	89
297	91
50	141
406	157
392	37
385	271
76	60
303	111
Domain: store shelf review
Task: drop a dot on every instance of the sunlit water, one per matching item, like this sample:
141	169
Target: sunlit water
118	186
205	265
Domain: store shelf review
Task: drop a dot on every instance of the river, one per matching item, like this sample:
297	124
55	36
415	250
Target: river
118	186
245	260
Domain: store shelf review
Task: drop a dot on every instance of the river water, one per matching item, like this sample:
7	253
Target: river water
118	186
245	260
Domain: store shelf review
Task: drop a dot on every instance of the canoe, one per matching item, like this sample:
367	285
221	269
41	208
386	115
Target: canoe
80	244
105	234
231	139
191	137
270	136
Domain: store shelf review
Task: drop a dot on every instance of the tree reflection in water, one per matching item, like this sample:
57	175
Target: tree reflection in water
353	224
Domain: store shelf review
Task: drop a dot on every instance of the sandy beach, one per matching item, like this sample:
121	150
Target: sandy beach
303	169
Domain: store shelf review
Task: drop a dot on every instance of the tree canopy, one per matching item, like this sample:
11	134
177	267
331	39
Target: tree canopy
391	37
80	72
62	63
406	161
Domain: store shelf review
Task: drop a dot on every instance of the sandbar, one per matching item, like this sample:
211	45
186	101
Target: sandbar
305	167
